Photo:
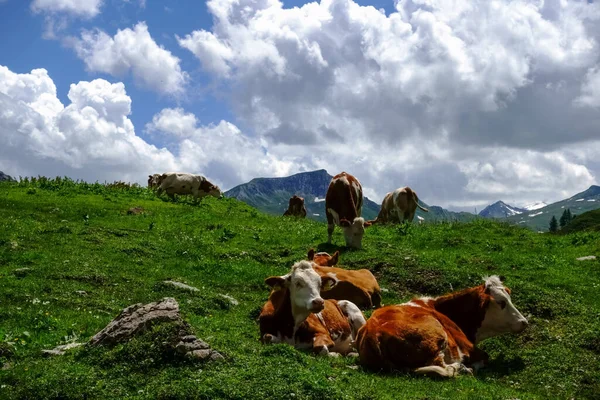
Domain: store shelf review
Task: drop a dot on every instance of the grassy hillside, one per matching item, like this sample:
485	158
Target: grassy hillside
589	221
79	237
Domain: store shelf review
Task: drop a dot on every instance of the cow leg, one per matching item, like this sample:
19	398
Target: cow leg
440	368
330	226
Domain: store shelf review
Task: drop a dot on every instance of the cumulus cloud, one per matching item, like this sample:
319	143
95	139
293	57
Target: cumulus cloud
132	51
79	8
92	137
427	95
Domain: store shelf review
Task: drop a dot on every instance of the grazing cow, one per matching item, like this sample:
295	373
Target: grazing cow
180	183
296	313
399	205
357	286
296	207
154	180
343	206
438	336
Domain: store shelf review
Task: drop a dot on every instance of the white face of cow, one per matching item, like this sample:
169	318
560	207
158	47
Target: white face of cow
501	316
304	286
353	233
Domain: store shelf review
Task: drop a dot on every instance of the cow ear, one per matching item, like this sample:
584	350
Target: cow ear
345	223
277	282
334	258
311	254
328	282
507	290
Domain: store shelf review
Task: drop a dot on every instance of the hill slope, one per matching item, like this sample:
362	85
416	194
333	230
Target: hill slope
78	237
588	221
539	219
271	195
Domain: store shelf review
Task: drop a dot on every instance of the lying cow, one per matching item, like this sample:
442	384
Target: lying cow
398	206
296	207
296	313
438	336
181	183
358	286
343	206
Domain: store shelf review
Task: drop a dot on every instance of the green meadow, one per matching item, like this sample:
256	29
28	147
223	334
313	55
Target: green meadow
59	237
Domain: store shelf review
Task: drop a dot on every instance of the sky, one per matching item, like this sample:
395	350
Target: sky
465	101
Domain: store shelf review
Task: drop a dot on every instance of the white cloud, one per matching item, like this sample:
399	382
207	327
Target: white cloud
79	8
424	96
590	89
135	51
92	138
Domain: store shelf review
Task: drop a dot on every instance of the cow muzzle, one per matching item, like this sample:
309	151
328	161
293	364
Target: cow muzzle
317	305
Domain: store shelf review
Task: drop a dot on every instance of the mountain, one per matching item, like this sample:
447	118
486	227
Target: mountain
539	218
271	195
535	206
500	210
4	177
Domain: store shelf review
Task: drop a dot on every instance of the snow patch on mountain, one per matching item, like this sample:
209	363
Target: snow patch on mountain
535	206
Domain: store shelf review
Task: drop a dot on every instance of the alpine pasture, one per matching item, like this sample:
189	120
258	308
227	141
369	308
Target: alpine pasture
72	257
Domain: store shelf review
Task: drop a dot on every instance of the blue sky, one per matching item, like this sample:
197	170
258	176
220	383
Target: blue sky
467	102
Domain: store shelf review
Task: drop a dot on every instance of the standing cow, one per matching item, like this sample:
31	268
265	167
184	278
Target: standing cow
296	207
343	206
398	206
154	180
181	183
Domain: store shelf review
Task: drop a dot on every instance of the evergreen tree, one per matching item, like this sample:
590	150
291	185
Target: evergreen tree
569	216
564	219
553	224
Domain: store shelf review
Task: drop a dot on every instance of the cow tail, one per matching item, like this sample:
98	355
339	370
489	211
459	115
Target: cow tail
417	201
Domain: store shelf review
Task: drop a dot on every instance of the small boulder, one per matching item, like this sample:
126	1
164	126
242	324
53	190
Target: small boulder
60	350
231	300
181	286
586	258
135	211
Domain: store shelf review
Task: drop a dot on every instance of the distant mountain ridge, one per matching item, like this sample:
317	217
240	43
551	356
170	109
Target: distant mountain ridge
5	177
539	218
271	195
500	210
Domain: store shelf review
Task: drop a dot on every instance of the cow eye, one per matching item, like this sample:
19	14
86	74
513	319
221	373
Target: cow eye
299	284
502	304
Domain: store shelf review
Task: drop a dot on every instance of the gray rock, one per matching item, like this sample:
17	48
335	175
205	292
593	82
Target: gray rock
231	300
586	258
199	354
189	338
136	319
186	347
60	350
214	356
81	292
21	272
181	286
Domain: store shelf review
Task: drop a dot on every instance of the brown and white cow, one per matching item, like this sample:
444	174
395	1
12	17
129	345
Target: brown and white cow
182	183
439	335
358	286
296	207
297	314
398	206
343	206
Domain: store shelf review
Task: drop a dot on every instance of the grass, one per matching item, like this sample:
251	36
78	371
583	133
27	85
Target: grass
58	237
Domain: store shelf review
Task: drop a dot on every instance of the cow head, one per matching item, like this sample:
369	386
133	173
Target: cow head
323	259
208	189
304	286
354	231
501	315
153	180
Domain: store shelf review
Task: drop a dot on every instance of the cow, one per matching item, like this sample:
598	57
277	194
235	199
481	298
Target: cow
296	207
398	206
297	314
358	286
439	335
343	206
154	180
181	183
